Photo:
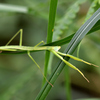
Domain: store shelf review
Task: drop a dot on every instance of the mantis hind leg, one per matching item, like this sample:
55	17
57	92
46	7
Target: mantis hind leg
38	67
20	42
19	32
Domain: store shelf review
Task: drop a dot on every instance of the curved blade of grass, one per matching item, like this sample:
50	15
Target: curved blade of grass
65	40
13	8
52	13
84	29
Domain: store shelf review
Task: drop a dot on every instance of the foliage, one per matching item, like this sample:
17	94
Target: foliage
13	78
64	22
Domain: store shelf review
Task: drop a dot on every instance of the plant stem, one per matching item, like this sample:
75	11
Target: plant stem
52	14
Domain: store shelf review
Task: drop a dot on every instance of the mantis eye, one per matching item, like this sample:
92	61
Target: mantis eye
56	48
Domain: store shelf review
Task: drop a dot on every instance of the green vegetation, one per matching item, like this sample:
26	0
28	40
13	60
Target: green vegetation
62	21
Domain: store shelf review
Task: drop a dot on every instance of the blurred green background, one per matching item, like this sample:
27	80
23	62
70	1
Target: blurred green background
20	79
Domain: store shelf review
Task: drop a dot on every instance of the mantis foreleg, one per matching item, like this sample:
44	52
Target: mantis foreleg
76	58
69	64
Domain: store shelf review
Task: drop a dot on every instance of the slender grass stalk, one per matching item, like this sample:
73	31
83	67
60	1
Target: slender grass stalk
68	87
52	14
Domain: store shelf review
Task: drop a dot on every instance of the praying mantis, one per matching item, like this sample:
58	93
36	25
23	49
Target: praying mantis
53	49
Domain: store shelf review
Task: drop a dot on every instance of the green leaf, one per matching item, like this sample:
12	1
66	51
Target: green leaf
94	6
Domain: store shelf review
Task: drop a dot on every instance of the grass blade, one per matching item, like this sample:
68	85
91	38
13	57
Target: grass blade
84	29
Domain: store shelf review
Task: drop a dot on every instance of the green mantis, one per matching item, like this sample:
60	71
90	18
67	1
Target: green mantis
53	49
